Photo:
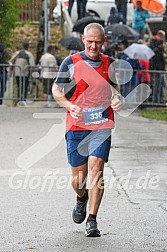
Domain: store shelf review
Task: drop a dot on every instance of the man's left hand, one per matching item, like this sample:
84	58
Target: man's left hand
116	103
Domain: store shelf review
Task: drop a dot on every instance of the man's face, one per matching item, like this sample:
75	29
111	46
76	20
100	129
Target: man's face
93	43
53	51
161	36
138	5
121	46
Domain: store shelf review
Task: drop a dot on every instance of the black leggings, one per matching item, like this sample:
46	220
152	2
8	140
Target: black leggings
22	84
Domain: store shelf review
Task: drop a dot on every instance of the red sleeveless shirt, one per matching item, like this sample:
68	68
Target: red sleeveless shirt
92	95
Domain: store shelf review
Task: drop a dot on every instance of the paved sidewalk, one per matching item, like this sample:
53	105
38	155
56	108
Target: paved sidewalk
37	199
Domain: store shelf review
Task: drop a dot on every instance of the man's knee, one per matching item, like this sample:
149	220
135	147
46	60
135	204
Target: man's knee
79	181
96	165
97	178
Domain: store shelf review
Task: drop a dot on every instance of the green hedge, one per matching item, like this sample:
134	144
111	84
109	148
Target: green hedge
9	14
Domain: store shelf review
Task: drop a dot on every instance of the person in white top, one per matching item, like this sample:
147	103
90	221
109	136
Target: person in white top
49	67
22	59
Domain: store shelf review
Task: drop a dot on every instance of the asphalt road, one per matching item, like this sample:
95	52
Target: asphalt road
37	199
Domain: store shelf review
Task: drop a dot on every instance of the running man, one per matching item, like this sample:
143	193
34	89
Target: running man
84	88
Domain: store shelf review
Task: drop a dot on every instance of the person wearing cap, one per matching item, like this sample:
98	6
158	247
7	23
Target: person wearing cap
160	35
159	81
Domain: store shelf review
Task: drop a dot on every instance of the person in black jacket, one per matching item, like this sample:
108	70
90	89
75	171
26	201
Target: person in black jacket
115	17
158	64
160	35
122	8
71	2
81	8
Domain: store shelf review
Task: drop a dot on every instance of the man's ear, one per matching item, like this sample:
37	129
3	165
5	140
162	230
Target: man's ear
105	38
82	38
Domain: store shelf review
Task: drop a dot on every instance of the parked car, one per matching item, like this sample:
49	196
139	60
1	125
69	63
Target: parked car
100	8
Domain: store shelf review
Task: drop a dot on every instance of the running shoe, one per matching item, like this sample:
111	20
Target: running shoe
91	229
79	212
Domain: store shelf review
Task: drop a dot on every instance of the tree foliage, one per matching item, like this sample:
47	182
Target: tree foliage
9	14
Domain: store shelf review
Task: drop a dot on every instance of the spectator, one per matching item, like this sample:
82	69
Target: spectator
139	20
71	2
81	8
3	73
114	17
23	59
144	77
49	67
106	48
122	8
122	45
165	13
40	43
158	64
57	56
160	35
127	88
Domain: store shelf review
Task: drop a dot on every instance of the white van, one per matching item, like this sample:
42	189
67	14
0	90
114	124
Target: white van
100	8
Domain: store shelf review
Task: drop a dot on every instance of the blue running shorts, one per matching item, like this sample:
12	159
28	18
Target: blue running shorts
84	143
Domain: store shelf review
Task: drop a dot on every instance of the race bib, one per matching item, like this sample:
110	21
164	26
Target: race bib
96	115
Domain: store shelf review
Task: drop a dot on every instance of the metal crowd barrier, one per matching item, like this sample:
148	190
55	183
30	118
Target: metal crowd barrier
145	88
9	89
158	88
150	91
40	82
21	85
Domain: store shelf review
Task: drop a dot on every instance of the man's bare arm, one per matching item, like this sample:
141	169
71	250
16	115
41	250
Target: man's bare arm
59	96
116	98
